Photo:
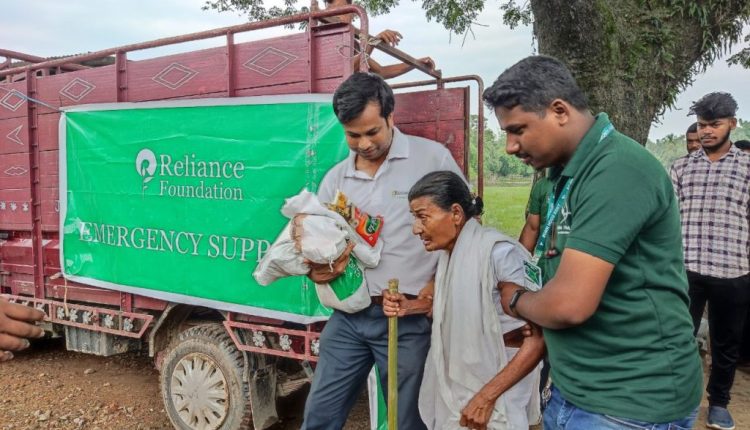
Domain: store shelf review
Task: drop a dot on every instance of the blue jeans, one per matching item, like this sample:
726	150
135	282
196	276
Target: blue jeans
349	345
563	415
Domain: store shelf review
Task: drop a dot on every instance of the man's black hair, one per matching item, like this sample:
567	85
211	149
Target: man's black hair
533	83
742	144
445	188
353	95
714	106
693	128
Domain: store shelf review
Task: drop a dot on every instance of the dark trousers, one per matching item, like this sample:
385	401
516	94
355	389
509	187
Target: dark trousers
349	346
745	348
728	301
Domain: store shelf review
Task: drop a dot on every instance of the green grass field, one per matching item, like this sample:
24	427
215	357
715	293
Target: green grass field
504	207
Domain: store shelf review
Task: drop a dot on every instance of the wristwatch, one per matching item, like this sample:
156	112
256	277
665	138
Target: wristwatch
514	299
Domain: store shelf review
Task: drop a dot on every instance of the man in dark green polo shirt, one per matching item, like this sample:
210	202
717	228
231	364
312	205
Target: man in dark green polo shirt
615	312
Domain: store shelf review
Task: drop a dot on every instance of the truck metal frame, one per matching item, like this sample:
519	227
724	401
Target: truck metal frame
107	322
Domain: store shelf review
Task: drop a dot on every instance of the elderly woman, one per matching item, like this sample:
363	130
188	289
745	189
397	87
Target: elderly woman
482	367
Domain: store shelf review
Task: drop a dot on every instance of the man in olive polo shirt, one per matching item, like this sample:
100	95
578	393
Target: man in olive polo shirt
535	221
615	313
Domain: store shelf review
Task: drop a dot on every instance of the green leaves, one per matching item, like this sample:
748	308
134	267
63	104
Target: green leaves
741	58
455	15
255	9
515	15
378	7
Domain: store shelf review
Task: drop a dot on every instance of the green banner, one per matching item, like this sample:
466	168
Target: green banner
179	200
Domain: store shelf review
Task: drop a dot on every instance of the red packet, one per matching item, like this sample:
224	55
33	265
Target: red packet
367	227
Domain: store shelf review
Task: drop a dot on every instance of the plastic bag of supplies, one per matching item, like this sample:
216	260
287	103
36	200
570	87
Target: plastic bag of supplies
320	235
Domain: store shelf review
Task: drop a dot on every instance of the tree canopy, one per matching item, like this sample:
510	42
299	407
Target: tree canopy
631	57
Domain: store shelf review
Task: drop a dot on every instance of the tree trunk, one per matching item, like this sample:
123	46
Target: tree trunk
630	57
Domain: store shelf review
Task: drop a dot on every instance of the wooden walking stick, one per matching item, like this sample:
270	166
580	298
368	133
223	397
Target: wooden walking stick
393	364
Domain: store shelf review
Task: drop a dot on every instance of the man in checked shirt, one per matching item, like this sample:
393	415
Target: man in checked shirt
712	186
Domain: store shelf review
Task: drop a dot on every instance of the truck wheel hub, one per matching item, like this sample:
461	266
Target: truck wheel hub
199	392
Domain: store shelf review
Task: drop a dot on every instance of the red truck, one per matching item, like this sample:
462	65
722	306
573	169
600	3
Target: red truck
257	358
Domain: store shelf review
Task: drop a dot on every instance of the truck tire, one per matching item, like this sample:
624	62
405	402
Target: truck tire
202	382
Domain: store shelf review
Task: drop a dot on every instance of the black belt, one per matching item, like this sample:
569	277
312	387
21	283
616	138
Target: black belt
378	300
514	338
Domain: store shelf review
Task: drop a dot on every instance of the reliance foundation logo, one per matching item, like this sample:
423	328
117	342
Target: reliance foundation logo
200	179
145	165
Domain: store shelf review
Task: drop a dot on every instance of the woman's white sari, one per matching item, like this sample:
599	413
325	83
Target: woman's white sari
467	348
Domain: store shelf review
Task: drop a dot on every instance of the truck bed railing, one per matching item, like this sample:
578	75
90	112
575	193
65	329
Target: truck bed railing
440	82
228	32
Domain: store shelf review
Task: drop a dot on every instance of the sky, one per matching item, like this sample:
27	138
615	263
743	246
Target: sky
54	28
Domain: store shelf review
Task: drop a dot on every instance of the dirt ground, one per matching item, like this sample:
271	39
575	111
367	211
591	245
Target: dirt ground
47	387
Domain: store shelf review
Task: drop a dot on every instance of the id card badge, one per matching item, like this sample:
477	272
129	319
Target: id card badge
532	276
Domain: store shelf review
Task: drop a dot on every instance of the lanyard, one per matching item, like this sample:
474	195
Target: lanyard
555	205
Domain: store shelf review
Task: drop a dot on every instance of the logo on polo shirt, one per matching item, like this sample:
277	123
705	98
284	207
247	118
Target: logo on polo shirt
563	223
399	194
